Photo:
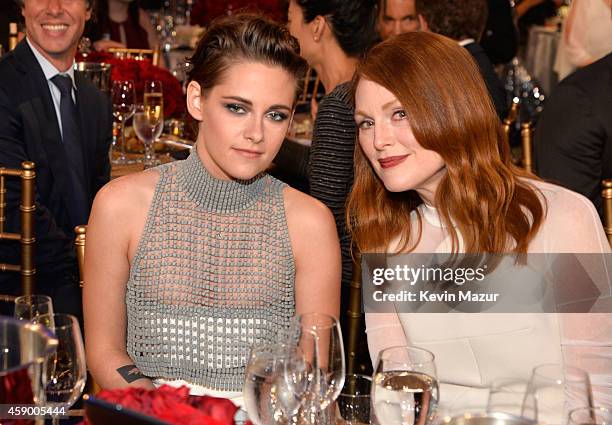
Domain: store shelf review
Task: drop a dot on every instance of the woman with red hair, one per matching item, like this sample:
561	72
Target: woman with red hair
433	175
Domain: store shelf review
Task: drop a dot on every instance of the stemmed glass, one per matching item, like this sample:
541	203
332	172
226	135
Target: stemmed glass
148	125
405	387
319	340
66	370
553	390
28	307
124	103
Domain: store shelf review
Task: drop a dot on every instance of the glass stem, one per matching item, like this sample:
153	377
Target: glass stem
123	138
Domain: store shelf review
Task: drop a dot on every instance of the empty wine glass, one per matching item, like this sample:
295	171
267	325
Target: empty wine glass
554	390
28	307
148	125
124	103
66	370
319	340
590	416
405	387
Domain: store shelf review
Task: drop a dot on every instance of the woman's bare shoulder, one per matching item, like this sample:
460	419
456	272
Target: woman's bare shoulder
305	210
129	192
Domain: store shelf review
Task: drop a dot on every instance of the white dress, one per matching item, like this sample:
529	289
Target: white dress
587	35
474	351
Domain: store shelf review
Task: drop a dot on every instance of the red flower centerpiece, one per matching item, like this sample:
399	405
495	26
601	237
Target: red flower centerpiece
172	405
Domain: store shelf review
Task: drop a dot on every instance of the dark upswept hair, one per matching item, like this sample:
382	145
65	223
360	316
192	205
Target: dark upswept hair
456	20
91	4
353	22
482	196
244	37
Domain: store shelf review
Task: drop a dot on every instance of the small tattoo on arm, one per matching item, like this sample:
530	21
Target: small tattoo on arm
130	373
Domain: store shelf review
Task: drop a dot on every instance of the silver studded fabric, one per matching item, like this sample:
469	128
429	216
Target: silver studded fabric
213	273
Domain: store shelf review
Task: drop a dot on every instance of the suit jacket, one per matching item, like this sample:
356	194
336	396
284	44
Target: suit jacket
29	130
500	37
494	84
573	139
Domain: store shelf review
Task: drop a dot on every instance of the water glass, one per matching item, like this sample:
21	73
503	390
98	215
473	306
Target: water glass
554	390
28	307
506	396
590	416
405	387
353	404
124	104
148	126
66	370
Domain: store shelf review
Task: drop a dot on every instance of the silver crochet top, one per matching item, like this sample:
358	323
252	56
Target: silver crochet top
213	273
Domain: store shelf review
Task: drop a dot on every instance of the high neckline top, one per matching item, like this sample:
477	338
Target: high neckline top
216	195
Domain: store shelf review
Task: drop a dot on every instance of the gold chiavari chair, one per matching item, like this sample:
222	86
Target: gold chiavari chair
13	35
306	94
510	119
136	54
353	315
526	142
26	236
79	245
606	195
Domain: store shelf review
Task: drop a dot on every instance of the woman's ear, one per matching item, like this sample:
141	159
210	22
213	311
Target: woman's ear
194	100
317	27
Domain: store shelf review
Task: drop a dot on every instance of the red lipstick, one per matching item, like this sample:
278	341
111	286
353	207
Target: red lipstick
391	161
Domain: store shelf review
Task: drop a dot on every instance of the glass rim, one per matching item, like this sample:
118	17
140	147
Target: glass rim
538	371
334	322
41	297
67	320
589	409
411	348
360	376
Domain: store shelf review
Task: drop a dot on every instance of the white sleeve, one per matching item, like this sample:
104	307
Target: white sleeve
575	34
383	330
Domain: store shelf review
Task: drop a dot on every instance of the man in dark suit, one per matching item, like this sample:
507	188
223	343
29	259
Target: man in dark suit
573	139
464	22
61	122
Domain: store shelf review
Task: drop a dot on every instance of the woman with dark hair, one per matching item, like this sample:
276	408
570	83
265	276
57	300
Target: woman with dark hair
433	175
333	35
121	24
190	263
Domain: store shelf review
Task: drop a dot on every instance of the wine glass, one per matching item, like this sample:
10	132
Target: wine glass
66	369
124	99
268	395
319	340
590	416
553	390
148	124
405	387
506	396
28	307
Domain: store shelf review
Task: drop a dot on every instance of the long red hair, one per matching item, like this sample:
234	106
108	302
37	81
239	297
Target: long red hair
483	196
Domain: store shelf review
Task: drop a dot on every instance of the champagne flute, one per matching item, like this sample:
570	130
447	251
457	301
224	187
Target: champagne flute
553	390
153	100
66	369
123	96
319	339
405	387
28	307
590	416
148	125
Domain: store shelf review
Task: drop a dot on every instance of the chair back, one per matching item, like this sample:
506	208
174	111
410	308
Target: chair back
606	195
136	54
13	36
510	119
353	315
26	236
527	145
311	86
79	245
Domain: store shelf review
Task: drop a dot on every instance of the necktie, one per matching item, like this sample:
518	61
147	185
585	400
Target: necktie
70	137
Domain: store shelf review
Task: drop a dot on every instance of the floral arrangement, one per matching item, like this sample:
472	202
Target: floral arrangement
204	11
172	405
140	71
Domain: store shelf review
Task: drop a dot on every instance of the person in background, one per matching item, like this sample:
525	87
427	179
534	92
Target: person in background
397	17
122	24
587	35
10	13
60	121
500	37
573	138
464	23
190	263
333	35
433	175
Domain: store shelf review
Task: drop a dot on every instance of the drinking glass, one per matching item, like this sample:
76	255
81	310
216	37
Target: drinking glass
319	340
124	103
353	404
66	370
553	390
405	387
506	396
590	416
28	307
148	125
268	396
